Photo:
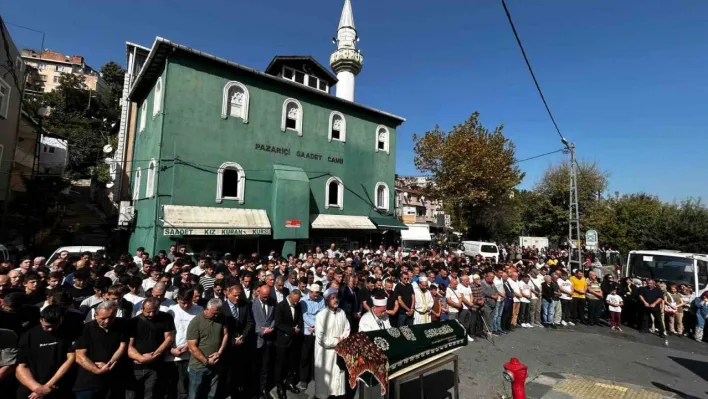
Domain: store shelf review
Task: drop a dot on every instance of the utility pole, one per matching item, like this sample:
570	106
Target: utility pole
575	253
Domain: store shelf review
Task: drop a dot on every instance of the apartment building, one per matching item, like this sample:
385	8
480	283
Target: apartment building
48	66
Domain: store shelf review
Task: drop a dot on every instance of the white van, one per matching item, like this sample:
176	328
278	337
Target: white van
669	266
75	251
484	249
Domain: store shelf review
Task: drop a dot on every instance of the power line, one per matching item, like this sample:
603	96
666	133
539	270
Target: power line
528	64
539	156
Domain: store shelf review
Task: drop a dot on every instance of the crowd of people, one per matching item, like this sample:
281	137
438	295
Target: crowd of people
171	326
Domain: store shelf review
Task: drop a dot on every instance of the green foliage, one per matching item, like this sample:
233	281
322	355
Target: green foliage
472	168
87	119
682	226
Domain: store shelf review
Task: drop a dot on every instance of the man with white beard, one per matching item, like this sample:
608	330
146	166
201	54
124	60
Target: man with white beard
423	302
331	327
375	320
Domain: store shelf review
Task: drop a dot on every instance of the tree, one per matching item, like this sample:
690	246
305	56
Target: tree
625	222
87	119
114	75
470	166
552	207
682	227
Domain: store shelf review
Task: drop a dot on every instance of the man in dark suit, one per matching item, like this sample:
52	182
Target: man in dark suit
239	321
288	339
279	292
350	302
263	311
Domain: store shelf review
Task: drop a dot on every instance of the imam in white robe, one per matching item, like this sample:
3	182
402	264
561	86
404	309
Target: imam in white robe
369	322
423	306
330	328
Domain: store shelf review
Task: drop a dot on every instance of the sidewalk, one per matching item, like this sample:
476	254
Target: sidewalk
569	386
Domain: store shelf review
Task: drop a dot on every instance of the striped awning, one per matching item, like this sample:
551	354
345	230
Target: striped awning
342	222
185	217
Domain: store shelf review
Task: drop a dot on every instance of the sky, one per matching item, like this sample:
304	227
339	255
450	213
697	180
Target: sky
625	80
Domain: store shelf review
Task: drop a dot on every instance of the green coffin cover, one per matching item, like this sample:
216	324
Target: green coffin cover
372	356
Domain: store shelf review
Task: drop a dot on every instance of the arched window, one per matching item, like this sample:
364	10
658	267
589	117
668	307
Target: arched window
143	115
230	183
334	193
157	101
337	127
382	138
150	181
382	196
292	116
235	101
136	184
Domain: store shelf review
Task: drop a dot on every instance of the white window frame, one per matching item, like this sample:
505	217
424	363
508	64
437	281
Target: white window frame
6	100
225	100
136	184
19	64
340	193
306	81
157	101
385	205
220	183
151	178
143	116
342	131
298	122
388	139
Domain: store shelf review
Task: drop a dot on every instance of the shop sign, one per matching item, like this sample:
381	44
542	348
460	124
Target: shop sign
292	223
216	232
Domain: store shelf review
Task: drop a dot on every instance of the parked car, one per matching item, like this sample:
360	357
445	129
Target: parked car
75	251
485	249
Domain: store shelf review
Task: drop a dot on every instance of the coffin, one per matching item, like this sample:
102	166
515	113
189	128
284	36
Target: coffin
376	356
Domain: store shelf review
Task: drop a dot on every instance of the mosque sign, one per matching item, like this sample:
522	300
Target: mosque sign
216	232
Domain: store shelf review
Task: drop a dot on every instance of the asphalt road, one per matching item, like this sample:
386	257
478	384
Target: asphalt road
598	352
640	359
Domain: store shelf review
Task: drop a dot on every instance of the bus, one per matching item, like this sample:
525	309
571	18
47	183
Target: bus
669	266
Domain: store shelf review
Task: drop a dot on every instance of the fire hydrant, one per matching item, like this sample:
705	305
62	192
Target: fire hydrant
515	372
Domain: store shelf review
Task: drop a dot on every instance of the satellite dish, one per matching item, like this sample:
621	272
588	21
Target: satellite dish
109	184
108	161
107	149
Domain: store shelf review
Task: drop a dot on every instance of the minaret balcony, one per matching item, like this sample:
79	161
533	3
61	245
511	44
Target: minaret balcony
346	60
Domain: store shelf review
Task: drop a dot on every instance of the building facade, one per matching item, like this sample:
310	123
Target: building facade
412	206
48	66
11	87
226	157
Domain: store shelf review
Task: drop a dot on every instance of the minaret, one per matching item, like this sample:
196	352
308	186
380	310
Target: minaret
346	61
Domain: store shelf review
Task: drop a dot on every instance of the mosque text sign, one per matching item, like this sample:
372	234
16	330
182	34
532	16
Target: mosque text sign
216	232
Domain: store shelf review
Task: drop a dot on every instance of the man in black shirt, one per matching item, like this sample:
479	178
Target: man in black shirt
46	356
391	302
406	300
99	350
650	298
34	294
80	289
151	335
366	294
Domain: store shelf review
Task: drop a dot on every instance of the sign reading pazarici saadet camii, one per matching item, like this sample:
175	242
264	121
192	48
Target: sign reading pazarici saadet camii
374	355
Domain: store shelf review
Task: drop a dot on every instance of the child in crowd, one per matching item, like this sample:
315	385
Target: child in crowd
615	304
